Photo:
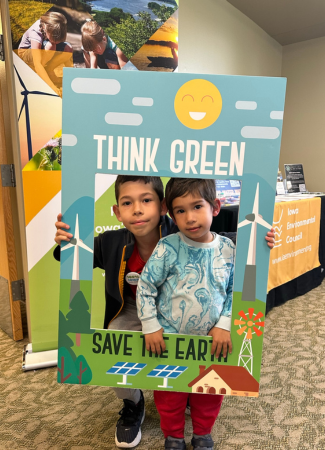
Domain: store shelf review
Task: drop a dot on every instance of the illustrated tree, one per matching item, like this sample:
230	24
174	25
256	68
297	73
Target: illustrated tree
64	340
66	367
71	369
84	373
78	319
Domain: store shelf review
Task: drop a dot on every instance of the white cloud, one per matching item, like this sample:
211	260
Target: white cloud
69	140
260	132
142	101
95	86
246	105
277	115
114	118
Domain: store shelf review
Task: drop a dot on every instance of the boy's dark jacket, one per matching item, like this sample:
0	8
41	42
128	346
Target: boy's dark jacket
112	250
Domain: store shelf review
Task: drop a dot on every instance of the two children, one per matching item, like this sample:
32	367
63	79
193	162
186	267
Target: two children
142	209
99	50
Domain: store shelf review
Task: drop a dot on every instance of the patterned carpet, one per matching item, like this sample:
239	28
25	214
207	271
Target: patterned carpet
37	413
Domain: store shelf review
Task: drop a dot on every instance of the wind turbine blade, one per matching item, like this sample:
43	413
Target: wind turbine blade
257	331
28	130
241	330
75	267
244	223
66	247
258	316
19	78
43	93
255	207
76	231
259	219
21	109
84	246
251	255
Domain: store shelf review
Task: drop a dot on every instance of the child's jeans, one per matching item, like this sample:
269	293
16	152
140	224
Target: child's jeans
171	407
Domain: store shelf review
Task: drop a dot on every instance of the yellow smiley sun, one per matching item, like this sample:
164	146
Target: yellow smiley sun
198	104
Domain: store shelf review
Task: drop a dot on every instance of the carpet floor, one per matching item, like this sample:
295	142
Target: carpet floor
36	413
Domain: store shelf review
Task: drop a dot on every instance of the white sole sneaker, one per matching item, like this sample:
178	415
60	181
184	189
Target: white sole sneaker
135	442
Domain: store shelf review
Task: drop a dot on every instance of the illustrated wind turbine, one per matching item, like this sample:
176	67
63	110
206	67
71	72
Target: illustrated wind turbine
24	104
76	242
249	286
249	325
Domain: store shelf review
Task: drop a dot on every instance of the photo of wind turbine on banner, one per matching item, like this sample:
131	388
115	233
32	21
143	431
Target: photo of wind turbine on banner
41	107
25	92
254	218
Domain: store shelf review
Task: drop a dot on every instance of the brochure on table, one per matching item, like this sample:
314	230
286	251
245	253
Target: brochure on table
295	178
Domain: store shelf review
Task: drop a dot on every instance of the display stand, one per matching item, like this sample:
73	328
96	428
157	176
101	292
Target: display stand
38	360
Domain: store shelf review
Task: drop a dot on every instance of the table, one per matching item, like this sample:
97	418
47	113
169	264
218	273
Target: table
306	282
227	221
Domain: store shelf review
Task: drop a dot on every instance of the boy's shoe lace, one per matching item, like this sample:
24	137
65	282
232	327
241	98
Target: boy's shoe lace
174	444
202	442
128	427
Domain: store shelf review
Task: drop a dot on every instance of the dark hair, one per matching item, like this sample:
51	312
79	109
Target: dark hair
178	187
155	182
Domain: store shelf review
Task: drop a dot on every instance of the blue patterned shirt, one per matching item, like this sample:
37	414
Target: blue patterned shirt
186	286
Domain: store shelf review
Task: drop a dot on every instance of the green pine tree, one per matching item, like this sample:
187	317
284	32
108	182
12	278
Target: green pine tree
78	319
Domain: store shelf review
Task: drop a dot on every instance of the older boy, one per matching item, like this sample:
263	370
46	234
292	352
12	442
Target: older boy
186	287
141	208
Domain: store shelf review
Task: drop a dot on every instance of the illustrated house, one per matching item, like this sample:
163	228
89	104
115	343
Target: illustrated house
225	380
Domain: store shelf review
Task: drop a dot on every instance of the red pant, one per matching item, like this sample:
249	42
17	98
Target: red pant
171	407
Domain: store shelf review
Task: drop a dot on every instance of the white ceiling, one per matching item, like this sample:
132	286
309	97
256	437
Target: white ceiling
287	21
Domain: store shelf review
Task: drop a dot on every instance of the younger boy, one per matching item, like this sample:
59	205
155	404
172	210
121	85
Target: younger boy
99	49
186	287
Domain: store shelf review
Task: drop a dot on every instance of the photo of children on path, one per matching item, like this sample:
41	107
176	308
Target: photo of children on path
94	35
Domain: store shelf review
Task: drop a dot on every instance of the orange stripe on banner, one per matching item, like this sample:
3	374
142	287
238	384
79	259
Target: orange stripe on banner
39	188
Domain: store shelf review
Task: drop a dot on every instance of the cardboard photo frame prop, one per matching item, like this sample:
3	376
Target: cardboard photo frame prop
173	125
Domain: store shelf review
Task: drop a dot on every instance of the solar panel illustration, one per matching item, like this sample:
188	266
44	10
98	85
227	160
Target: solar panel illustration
125	369
167	372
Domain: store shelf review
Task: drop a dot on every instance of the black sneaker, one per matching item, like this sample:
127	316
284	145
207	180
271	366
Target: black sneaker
128	427
202	442
174	444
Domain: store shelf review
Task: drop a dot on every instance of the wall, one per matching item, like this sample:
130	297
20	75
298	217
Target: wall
303	139
214	37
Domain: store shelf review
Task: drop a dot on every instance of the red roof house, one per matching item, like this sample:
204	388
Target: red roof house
226	380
